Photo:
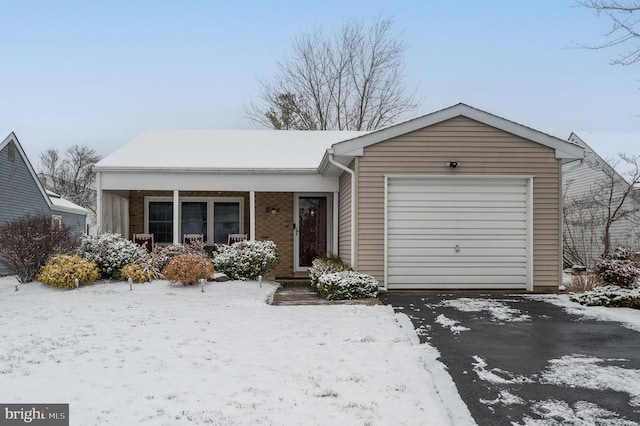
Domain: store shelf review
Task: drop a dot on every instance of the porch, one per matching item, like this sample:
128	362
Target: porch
303	225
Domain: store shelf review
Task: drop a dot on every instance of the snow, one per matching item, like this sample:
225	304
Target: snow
225	149
583	413
498	310
451	324
628	317
165	354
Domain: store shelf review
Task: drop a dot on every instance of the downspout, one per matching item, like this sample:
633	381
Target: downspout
353	204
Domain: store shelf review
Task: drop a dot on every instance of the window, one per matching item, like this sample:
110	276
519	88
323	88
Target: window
214	218
194	218
161	221
226	220
11	152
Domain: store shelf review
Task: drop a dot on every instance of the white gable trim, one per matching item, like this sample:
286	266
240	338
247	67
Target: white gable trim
353	147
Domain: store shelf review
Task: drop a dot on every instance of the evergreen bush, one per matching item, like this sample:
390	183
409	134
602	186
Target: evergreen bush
347	285
62	270
247	260
188	269
111	252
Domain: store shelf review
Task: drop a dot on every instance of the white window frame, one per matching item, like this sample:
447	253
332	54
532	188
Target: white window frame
210	206
56	221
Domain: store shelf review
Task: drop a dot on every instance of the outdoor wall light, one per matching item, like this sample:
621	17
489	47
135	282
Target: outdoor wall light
453	164
273	210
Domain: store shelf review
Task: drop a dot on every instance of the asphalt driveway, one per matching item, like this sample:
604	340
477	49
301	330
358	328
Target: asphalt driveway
517	360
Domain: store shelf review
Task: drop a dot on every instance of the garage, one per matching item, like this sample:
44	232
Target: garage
458	232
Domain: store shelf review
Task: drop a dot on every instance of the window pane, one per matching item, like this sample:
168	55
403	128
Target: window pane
226	220
194	218
161	221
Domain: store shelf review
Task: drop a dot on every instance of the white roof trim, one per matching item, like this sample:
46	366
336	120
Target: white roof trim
564	149
13	138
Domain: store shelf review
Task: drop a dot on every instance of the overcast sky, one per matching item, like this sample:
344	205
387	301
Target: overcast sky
101	72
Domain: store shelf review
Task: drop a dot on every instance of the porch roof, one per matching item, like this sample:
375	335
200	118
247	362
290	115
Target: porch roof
220	150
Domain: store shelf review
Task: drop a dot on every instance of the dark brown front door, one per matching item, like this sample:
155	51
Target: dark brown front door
312	233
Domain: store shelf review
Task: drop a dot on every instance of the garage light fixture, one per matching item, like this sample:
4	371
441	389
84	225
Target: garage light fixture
453	164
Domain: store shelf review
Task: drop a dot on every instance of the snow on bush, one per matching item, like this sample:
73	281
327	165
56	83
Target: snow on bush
111	252
617	267
162	255
325	265
347	285
138	272
187	269
62	270
609	295
246	260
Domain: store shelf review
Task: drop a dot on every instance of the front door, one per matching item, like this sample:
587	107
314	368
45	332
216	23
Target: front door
312	229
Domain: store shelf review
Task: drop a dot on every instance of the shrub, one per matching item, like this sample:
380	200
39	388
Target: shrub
617	267
62	270
325	265
139	273
347	285
611	296
26	244
188	269
162	255
111	252
583	281
246	260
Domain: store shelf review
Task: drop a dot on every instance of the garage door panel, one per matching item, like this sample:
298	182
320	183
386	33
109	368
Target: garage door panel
427	218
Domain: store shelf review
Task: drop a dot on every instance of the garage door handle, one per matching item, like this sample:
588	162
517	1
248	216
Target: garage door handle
457	248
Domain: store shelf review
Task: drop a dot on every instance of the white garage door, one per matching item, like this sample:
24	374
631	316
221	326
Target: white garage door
463	232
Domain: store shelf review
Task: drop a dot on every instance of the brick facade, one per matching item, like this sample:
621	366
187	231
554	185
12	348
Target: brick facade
277	227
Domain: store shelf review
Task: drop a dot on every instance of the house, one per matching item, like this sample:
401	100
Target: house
21	192
582	180
458	198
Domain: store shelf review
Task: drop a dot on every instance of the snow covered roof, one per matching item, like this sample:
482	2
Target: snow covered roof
224	150
60	204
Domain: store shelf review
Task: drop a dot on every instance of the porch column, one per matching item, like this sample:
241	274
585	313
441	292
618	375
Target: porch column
335	229
252	215
98	203
176	217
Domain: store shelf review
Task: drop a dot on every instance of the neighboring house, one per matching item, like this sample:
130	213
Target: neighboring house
459	198
22	194
584	229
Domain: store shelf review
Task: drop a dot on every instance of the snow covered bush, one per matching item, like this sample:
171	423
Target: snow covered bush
617	267
610	295
111	252
347	285
161	255
27	243
62	270
138	272
188	269
325	265
246	260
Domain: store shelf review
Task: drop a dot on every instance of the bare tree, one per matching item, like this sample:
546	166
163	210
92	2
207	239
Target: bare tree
590	217
624	26
350	81
71	177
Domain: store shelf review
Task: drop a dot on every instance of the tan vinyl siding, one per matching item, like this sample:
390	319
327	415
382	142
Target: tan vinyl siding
480	149
344	217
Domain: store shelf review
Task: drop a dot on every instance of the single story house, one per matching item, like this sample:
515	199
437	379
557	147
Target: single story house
21	192
582	180
459	198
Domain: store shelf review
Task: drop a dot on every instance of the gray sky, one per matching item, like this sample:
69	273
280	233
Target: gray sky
100	73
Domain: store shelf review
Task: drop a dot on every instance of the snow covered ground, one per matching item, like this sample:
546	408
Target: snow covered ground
170	355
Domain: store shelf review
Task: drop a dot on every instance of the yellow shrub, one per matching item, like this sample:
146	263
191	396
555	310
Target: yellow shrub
62	270
188	269
138	273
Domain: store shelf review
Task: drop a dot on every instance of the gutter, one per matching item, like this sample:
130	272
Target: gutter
353	203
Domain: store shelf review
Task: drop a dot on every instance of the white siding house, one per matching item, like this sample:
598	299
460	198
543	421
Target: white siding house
585	182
